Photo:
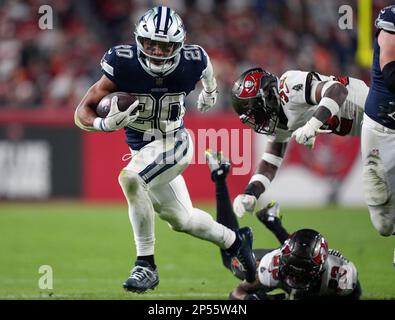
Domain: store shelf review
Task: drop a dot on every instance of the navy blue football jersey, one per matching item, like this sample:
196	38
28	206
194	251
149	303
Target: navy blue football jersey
379	95
161	98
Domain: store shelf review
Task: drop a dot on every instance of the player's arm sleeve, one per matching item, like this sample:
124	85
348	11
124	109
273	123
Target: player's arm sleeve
208	79
109	65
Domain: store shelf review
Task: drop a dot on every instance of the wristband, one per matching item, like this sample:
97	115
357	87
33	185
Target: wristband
253	189
98	124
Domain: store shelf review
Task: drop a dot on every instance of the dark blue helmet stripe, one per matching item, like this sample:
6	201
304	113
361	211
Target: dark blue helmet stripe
167	20
158	19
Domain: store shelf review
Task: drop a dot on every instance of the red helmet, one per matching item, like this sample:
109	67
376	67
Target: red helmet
303	258
255	98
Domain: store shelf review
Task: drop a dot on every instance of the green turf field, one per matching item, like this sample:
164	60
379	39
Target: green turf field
91	251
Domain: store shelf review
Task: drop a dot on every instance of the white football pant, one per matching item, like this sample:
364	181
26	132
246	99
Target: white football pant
152	181
378	158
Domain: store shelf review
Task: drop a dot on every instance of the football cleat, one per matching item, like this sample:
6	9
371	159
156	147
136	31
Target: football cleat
219	166
142	278
270	212
244	255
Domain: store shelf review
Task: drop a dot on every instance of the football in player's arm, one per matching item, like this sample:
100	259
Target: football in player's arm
160	71
303	267
299	104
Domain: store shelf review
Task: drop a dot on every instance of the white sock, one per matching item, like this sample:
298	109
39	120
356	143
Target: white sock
141	212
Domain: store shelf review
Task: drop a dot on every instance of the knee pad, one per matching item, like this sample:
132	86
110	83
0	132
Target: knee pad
130	183
377	192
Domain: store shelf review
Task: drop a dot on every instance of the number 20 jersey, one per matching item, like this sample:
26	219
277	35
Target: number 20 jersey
161	98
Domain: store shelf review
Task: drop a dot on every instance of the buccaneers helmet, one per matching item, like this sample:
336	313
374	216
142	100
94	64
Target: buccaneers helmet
256	100
303	258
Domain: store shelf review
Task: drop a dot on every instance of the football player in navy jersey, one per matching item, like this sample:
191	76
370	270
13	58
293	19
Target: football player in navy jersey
378	129
160	70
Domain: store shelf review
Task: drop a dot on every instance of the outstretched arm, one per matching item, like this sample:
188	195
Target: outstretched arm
260	181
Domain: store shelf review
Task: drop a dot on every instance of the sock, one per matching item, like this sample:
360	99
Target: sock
150	259
235	246
225	214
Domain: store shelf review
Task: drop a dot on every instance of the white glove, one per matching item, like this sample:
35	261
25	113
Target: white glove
306	135
116	119
244	203
206	100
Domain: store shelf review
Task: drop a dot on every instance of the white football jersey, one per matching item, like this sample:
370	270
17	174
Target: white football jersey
339	278
295	90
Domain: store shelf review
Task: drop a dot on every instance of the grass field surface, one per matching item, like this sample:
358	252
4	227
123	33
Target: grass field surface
90	250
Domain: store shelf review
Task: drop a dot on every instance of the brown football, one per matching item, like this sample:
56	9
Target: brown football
124	101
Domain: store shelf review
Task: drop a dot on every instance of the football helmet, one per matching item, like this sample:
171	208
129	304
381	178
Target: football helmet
160	35
386	19
303	259
256	100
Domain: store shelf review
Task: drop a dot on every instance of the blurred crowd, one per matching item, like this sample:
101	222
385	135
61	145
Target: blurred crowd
54	68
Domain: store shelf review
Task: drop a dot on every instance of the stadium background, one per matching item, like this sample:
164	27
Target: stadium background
45	73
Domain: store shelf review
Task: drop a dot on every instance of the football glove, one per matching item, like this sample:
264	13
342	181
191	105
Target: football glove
206	100
306	135
244	203
116	119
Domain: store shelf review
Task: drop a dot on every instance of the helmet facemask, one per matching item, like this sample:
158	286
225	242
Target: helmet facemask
299	275
255	98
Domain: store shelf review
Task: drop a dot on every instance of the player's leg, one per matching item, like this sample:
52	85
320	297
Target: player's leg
143	171
270	216
219	170
378	154
173	204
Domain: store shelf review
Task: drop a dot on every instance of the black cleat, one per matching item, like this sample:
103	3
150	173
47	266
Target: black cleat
142	278
244	255
219	166
270	213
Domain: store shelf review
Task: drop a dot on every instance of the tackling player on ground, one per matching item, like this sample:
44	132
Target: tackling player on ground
160	70
303	266
299	104
378	129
